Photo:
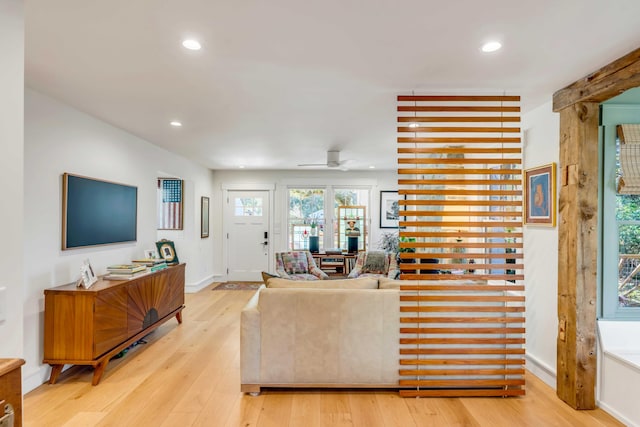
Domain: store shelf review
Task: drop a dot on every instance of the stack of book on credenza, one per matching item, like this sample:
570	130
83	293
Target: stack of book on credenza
125	271
154	264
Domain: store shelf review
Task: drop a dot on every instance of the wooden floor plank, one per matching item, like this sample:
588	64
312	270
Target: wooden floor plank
189	375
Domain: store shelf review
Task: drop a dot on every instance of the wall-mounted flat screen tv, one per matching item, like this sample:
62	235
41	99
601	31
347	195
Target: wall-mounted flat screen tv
96	212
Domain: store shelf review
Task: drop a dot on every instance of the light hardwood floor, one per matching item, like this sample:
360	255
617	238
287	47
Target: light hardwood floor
189	375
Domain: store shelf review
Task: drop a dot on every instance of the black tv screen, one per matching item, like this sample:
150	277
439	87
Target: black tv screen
96	212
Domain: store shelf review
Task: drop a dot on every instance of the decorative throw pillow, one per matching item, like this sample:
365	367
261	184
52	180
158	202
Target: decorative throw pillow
376	262
295	262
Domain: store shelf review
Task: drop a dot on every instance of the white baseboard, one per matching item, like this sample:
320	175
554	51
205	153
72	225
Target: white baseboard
615	414
541	370
192	288
32	381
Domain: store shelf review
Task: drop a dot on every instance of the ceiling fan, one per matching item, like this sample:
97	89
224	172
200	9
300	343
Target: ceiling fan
333	161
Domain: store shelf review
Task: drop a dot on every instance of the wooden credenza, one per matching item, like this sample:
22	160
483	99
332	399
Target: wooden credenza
11	388
90	326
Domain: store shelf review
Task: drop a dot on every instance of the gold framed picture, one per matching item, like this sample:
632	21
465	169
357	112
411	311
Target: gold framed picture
167	250
540	195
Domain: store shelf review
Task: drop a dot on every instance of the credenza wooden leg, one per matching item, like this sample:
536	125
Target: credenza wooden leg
179	317
55	371
98	371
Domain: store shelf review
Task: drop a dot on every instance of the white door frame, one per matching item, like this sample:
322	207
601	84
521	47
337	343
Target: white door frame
226	187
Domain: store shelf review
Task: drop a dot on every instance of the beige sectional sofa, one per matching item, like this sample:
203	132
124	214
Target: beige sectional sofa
328	333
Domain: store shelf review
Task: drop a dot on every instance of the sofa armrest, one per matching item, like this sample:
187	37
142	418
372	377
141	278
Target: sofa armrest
250	341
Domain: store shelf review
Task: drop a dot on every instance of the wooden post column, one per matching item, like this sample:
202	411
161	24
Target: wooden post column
577	260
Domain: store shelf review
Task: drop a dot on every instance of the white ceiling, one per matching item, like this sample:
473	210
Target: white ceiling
280	82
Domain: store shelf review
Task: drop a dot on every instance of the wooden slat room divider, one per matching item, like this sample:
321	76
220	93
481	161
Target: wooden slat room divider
462	302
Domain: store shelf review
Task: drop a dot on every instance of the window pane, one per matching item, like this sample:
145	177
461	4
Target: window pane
306	217
628	207
351	197
248	206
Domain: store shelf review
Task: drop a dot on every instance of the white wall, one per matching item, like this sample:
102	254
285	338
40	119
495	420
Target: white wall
379	181
541	134
61	139
11	175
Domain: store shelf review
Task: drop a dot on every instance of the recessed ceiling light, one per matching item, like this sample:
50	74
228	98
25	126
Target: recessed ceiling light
372	167
241	166
175	124
191	44
491	46
413	125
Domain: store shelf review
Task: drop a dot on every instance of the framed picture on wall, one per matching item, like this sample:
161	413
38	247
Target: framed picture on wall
389	209
170	206
204	217
540	195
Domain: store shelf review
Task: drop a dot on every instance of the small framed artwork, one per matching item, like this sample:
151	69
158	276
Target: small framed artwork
204	217
150	254
87	275
540	195
389	209
167	251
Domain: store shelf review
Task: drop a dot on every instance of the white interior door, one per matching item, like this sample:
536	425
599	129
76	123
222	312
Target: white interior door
247	229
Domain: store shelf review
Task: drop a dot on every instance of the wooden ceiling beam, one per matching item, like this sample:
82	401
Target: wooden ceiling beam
609	81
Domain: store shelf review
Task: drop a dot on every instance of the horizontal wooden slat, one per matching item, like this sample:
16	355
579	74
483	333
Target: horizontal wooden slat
458	140
470	276
463	361
487	224
471	372
436	287
457	192
456	341
465	161
456	350
458	150
463	266
458	98
460	298
505	214
450	182
461	233
460	171
464	308
409	255
467	330
467	245
463	202
497	392
494	319
461	383
459	119
459	109
456	129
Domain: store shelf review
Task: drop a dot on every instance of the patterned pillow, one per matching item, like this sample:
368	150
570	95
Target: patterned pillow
376	262
295	262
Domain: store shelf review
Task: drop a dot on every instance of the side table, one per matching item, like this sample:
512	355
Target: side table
11	387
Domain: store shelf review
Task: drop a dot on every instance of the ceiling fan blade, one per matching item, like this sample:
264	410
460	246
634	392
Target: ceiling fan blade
312	164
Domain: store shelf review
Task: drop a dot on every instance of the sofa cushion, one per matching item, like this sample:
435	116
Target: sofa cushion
295	262
360	283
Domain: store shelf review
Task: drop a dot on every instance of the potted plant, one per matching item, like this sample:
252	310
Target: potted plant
406	250
389	242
